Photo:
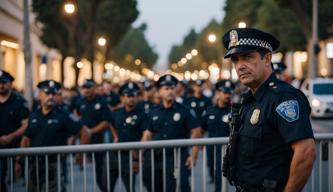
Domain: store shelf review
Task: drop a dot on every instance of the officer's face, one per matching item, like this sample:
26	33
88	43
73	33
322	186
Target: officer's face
197	88
129	101
223	97
88	92
47	98
167	93
252	68
58	97
5	87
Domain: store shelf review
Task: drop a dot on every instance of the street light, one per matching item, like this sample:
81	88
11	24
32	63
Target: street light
242	24
194	52
212	38
101	41
69	8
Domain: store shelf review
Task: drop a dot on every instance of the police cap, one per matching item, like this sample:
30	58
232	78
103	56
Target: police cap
49	86
148	85
5	77
242	40
225	86
199	82
129	89
88	83
279	67
167	80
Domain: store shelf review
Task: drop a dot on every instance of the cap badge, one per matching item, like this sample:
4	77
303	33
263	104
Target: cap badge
255	116
130	85
168	78
51	84
233	38
227	84
176	117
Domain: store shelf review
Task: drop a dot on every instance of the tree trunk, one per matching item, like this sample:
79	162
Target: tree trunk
27	55
62	69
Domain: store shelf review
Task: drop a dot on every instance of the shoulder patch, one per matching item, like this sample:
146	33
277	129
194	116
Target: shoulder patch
288	110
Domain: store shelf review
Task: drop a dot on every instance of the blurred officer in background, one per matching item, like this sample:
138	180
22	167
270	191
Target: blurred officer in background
147	96
198	102
13	119
273	148
95	114
129	121
170	120
216	123
48	126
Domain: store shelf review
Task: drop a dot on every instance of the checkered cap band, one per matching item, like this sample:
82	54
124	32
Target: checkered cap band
253	42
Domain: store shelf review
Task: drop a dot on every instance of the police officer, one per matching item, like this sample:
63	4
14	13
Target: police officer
13	119
198	102
48	126
275	149
94	113
279	68
147	96
170	120
129	121
216	123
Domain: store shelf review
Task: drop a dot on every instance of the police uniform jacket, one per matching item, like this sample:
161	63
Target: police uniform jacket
13	111
273	117
216	121
51	129
130	125
92	113
175	122
198	104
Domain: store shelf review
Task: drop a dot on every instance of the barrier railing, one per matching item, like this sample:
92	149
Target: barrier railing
44	166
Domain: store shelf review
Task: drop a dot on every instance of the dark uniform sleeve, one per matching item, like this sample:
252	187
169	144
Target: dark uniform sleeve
30	129
149	122
106	112
204	120
292	117
191	121
73	126
143	123
23	111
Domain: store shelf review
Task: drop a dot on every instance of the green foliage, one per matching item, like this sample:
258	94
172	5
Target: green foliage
283	24
133	46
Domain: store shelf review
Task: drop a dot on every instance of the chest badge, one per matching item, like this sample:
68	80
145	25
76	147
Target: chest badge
176	117
128	120
155	118
255	116
97	106
193	104
225	118
212	117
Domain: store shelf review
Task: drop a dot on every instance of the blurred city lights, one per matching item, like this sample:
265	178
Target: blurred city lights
79	65
108	66
212	38
188	56
194	52
9	44
242	24
101	41
137	61
69	8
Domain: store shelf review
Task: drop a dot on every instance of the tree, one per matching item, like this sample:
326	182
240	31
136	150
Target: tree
133	46
78	32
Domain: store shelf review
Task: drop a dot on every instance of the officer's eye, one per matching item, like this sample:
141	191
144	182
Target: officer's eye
234	60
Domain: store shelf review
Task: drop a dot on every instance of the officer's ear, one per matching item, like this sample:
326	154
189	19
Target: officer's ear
267	59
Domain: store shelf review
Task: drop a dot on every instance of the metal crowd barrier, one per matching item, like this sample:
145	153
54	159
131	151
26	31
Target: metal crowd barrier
321	178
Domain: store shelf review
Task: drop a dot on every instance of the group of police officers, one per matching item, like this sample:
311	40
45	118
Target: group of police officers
272	149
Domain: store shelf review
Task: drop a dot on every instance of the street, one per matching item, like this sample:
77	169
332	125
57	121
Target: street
322	125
